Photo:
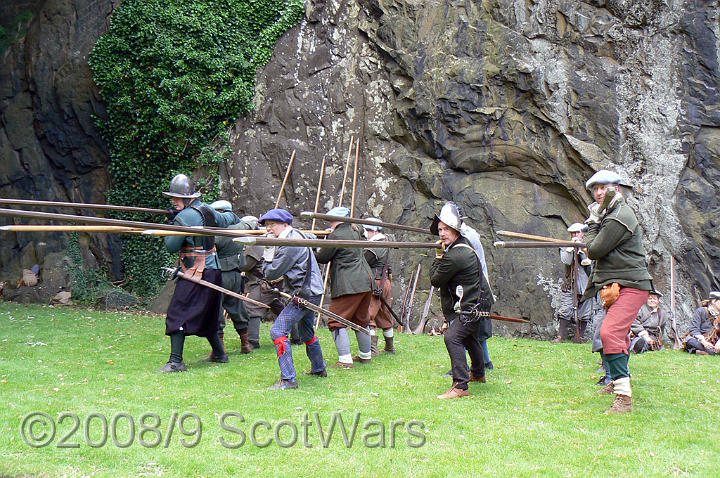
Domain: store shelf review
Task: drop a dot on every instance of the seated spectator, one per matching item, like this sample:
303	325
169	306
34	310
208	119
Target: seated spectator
646	332
702	339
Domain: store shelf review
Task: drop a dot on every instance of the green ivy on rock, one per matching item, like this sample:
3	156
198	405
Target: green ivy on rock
175	74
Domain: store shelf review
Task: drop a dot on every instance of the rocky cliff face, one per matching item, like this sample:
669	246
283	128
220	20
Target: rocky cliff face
50	148
504	106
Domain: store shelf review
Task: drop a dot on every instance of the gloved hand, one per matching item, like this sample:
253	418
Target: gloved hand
268	253
440	252
595	214
171	213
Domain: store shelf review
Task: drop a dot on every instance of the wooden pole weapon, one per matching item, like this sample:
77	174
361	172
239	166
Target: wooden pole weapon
342	193
319	188
521	235
406	319
309	305
171	273
124	230
107	207
347	166
538	244
355	172
275	241
70	228
287	175
354	220
206	231
677	343
423	319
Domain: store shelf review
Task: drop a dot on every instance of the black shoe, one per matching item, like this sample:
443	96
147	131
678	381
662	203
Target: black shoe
216	359
173	367
447	374
255	345
319	373
604	381
489	365
283	385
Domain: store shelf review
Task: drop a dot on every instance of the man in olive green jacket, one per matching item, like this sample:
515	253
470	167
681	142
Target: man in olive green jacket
350	289
614	243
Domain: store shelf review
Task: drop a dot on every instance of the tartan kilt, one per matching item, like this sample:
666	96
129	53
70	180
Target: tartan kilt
194	307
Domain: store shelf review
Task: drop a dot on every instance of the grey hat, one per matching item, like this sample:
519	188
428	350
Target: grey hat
654	292
181	187
221	205
577	227
373	227
252	221
603	177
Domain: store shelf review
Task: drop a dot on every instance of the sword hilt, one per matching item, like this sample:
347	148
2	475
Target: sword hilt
170	273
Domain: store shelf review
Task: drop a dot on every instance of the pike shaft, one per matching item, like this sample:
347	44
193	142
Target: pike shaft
107	207
353	220
522	235
119	222
272	241
210	285
315	308
538	244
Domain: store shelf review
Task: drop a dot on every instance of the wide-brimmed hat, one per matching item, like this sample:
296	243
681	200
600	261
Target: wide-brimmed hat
181	187
450	215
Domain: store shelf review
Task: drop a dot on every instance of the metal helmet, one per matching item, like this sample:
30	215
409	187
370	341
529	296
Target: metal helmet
450	215
221	205
181	187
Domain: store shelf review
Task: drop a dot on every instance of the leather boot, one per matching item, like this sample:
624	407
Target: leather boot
245	346
608	389
374	346
622	404
390	345
454	393
211	357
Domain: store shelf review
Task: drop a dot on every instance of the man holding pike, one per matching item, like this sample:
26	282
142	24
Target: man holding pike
298	267
465	295
614	243
194	309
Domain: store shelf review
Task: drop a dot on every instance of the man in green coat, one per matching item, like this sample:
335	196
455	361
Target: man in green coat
231	256
194	309
378	258
350	289
614	243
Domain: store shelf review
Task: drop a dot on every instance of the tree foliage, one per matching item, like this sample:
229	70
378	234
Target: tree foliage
174	75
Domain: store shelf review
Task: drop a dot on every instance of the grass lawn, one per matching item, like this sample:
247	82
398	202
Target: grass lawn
91	374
